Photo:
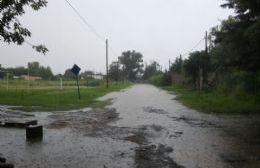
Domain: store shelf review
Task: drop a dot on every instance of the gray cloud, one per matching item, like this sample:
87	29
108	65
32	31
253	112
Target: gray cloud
160	29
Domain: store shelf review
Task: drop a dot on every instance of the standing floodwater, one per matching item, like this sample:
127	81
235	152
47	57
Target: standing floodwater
144	127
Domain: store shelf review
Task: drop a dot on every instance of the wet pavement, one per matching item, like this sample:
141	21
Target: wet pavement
145	127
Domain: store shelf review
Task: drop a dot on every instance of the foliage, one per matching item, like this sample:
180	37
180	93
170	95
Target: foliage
68	75
152	69
94	82
216	101
156	79
86	74
236	41
18	71
177	66
161	79
132	63
233	60
53	99
191	66
240	83
35	69
166	79
115	72
11	30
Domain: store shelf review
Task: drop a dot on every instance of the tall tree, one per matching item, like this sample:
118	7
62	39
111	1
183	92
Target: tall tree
177	65
45	73
237	39
151	70
69	75
11	30
191	66
132	62
34	68
115	73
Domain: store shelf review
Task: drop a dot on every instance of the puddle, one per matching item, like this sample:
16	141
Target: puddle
152	156
154	110
144	127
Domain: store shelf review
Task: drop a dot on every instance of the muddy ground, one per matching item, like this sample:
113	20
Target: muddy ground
144	128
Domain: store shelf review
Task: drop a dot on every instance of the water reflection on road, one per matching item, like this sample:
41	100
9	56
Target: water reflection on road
144	127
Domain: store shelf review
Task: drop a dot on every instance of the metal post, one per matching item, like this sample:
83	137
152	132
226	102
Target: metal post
7	81
61	84
78	87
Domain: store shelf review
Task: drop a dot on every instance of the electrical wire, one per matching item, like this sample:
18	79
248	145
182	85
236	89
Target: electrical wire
113	51
92	28
194	46
27	42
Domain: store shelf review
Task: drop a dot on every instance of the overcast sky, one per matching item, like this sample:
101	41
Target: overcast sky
159	29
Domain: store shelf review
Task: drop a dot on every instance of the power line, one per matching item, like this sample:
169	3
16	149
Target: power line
92	28
113	51
85	21
27	42
194	46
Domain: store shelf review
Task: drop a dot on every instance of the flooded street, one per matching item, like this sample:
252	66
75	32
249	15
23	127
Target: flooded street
145	127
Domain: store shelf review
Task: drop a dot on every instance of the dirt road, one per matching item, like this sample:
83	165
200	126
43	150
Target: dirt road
145	127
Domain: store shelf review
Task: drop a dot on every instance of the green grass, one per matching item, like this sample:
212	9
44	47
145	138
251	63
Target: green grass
45	99
216	101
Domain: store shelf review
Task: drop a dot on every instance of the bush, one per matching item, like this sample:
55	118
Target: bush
161	79
156	80
95	82
240	82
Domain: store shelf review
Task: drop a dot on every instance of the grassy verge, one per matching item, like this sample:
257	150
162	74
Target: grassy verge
55	99
216	101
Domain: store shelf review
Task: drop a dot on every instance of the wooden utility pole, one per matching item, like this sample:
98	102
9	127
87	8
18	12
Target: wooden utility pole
201	66
28	74
206	43
118	76
107	62
169	64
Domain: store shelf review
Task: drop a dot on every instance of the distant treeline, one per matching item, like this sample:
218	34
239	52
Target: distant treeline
232	59
33	69
36	70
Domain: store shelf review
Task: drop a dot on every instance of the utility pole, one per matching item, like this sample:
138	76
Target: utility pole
107	62
28	75
206	57
117	71
169	64
201	66
206	43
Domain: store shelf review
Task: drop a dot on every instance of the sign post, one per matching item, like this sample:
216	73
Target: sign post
75	70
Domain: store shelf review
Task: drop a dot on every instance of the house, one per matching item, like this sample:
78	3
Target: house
98	76
30	78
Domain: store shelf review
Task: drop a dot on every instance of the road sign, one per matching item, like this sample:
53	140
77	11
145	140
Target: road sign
75	69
